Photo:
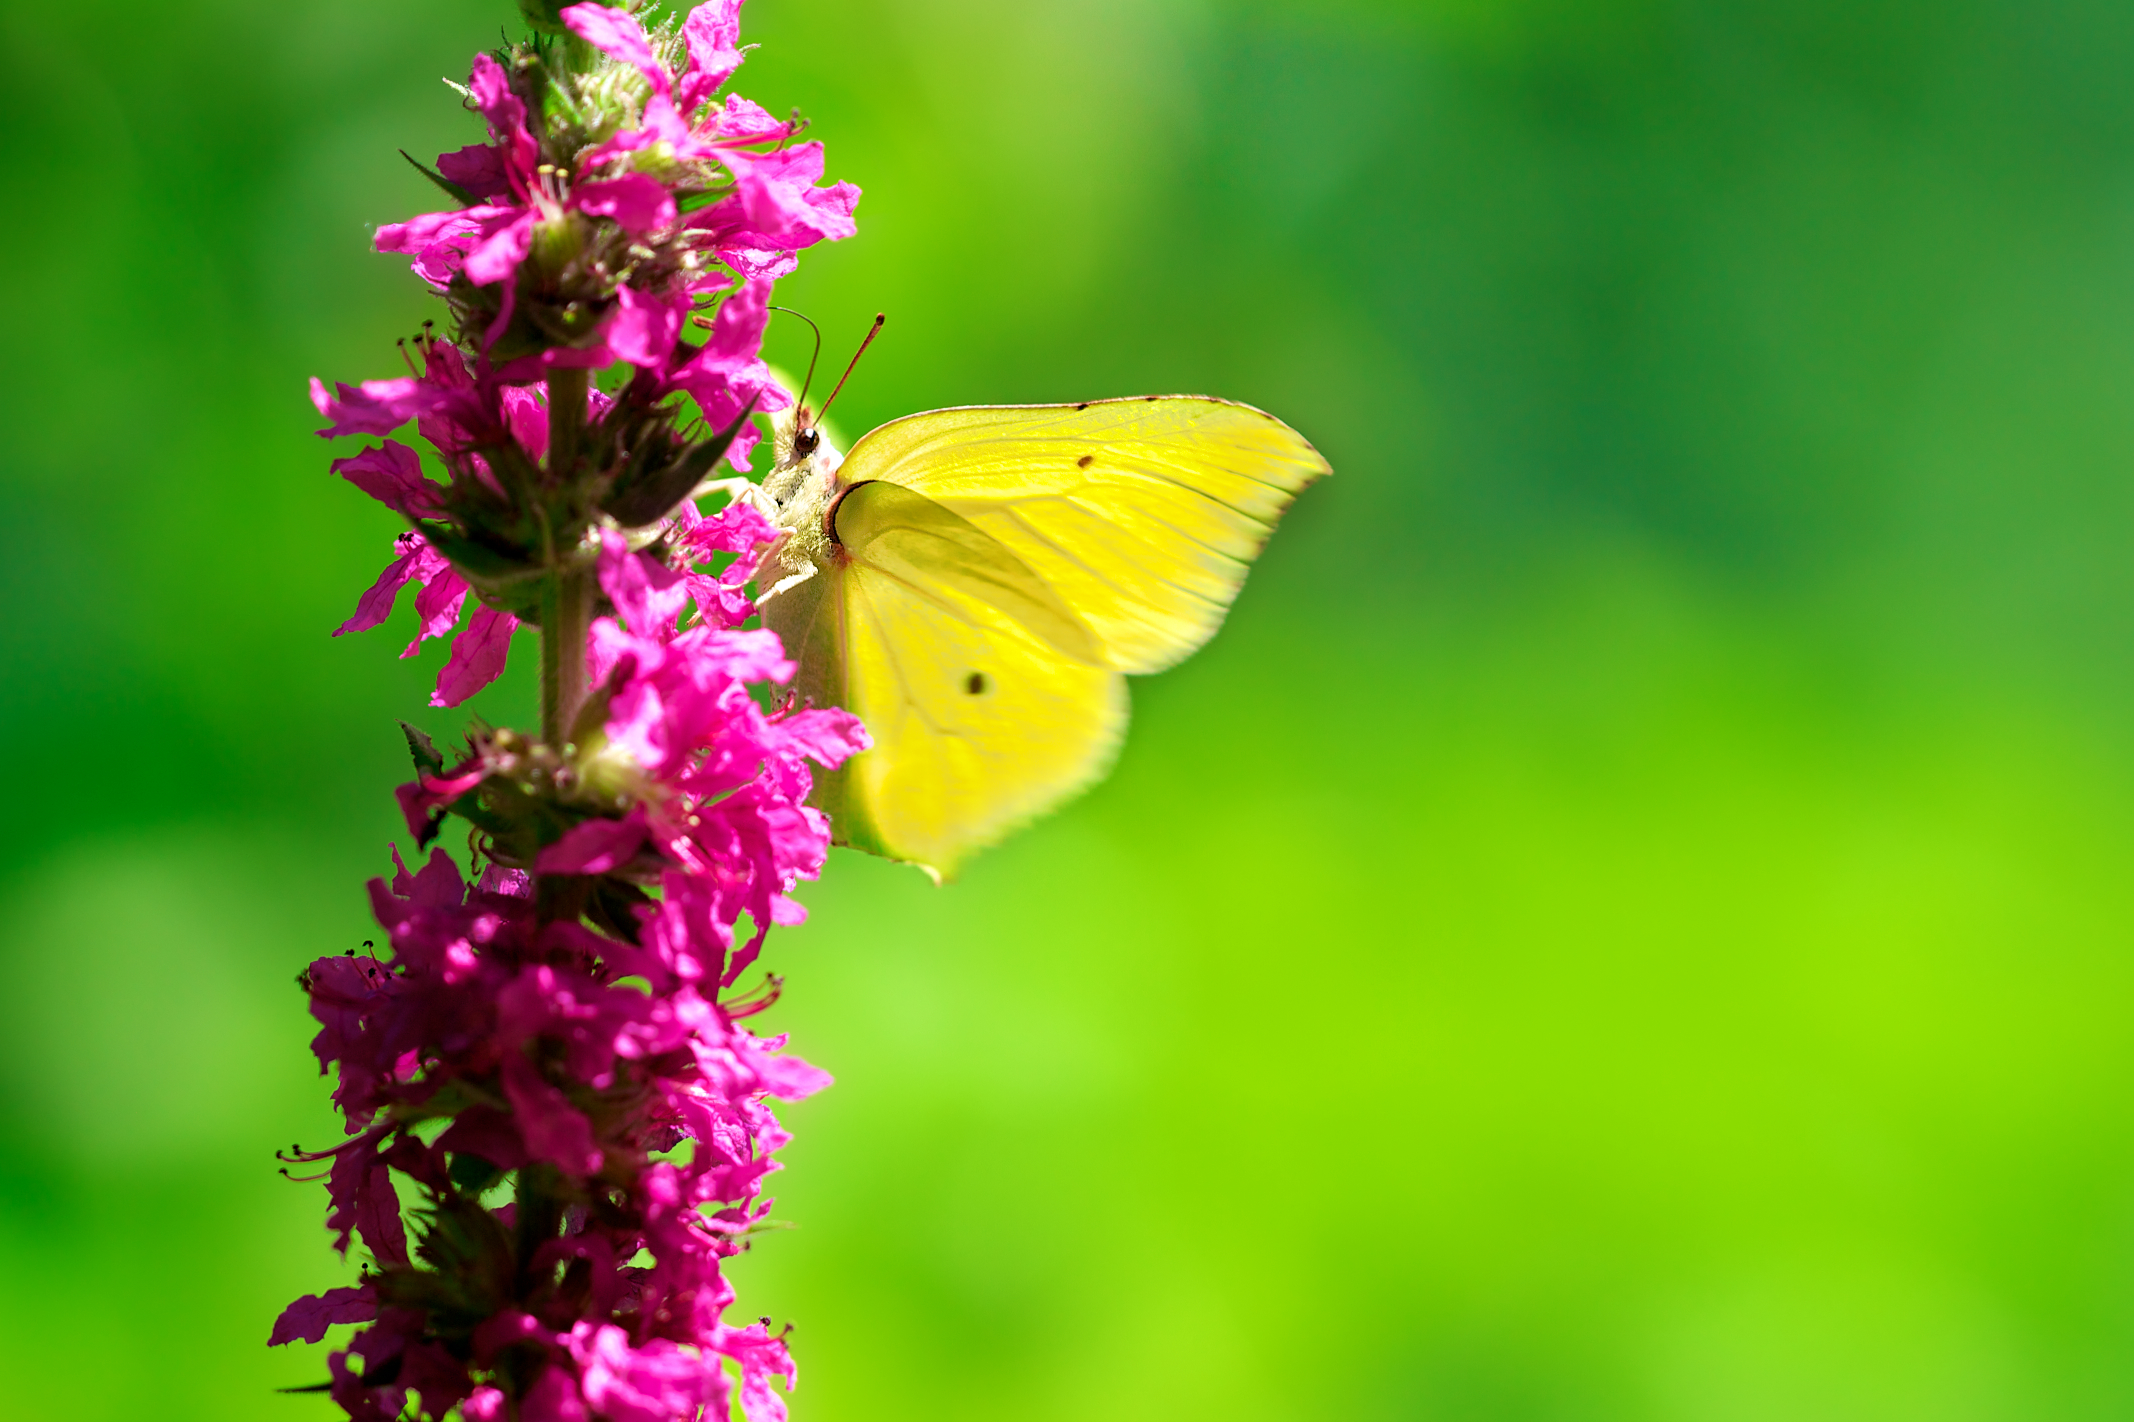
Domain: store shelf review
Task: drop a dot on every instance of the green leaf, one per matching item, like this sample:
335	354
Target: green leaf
653	497
453	190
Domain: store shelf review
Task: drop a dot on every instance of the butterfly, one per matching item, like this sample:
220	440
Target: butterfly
975	584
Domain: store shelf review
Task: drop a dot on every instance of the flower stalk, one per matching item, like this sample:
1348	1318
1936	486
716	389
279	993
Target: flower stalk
567	592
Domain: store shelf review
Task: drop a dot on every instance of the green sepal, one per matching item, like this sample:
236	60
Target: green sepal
544	16
470	808
652	497
473	1174
452	190
611	907
476	560
427	759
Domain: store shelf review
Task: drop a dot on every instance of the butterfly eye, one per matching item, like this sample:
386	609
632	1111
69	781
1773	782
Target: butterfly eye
804	443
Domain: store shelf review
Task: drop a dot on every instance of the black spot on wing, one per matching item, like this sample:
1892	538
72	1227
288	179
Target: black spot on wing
976	684
1085	461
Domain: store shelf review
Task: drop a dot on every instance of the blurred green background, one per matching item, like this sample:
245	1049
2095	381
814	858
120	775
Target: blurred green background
1631	920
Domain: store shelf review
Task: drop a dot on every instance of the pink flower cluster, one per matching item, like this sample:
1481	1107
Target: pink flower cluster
642	1116
557	1125
688	782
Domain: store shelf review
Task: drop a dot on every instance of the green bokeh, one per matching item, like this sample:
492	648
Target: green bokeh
1631	920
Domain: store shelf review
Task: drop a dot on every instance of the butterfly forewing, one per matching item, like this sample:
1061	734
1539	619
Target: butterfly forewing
1141	514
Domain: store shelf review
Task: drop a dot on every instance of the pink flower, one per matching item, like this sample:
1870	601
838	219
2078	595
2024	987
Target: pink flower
393	476
645	328
620	37
655	1383
733	778
728	371
442	591
477	654
375	406
777	201
517	151
636	203
762	1358
712	35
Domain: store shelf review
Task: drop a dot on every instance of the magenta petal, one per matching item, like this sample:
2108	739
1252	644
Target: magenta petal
414	807
779	198
307	1320
478	656
526	415
478	169
378	1217
713	36
649	594
430	228
377	604
374	407
507	120
635	202
649	1383
488	1133
484	1404
552	1128
502	248
554	1396
620	37
790	1078
392	474
438	605
762	1358
594	847
645	328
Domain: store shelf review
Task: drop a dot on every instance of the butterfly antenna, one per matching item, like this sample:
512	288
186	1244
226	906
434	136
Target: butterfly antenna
802	403
879	318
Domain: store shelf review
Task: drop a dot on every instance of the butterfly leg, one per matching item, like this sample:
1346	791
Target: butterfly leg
806	572
740	491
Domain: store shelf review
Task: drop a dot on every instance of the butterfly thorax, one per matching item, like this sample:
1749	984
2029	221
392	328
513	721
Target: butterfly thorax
801	489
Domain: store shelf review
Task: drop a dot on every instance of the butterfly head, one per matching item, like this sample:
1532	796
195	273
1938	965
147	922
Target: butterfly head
802	485
800	488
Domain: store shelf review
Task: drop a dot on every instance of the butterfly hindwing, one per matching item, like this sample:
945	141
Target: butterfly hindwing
950	650
1142	514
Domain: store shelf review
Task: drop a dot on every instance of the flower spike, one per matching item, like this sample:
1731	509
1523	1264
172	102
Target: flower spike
558	1128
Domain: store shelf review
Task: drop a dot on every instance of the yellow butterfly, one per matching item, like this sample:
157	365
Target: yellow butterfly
975	583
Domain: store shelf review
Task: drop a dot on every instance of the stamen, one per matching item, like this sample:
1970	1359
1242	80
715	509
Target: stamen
749	1004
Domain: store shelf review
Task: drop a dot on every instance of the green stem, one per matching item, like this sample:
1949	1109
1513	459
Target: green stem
566	422
567	592
566	614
